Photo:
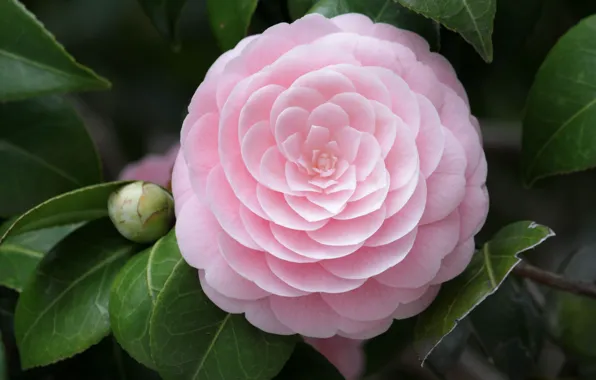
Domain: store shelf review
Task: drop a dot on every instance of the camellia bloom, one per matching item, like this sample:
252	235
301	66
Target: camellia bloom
155	168
331	177
345	354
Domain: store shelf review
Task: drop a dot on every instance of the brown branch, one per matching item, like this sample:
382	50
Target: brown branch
554	280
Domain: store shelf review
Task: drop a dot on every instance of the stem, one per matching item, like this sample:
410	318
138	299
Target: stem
555	281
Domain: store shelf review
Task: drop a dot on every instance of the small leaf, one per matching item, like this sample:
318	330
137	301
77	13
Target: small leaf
63	310
81	205
164	15
32	63
386	11
43	141
489	267
230	20
19	255
306	363
558	129
191	338
383	349
298	8
473	19
509	329
135	292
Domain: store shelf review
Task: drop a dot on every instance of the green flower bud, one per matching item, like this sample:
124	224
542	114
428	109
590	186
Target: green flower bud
141	211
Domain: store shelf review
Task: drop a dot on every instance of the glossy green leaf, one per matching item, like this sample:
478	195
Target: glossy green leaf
32	63
191	338
164	15
489	267
306	363
472	19
558	129
135	292
63	310
383	349
386	11
77	206
19	255
298	8
3	364
509	329
42	141
570	318
230	20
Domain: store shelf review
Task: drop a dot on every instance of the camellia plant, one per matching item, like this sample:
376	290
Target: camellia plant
297	189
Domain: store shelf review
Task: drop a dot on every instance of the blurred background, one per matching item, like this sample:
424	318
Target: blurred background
153	81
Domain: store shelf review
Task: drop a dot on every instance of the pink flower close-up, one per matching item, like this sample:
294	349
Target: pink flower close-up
155	168
330	178
347	355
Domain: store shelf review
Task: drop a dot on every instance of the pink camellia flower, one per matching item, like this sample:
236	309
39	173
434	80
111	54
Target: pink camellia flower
331	177
155	168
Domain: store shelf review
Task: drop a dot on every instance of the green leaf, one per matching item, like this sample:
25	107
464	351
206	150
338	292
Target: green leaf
230	20
191	338
447	354
306	363
77	206
489	267
3	364
135	292
509	329
19	255
42	141
385	11
32	63
383	349
298	8
472	19
63	310
558	129
164	15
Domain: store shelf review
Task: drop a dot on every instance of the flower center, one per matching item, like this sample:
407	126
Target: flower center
323	163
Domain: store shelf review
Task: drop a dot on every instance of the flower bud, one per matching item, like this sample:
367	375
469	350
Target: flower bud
141	211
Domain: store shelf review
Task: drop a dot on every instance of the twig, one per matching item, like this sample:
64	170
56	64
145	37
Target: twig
554	280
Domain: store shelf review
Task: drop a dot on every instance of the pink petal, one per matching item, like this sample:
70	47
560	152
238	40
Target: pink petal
422	80
200	150
243	184
326	82
252	265
403	221
302	98
474	210
332	203
292	146
367	84
181	183
317	138
366	205
292	120
311	27
385	127
349	232
445	74
363	330
298	181
371	302
260	231
226	207
230	305
301	243
196	233
431	138
397	199
309	315
370	261
433	242
455	262
310	277
348	140
227	282
259	314
378	53
307	209
279	212
402	161
329	116
354	23
255	143
378	179
264	51
369	153
273	171
478	177
359	109
347	355
411	309
257	108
